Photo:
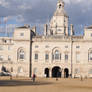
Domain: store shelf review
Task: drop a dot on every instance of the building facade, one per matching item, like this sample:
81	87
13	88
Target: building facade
54	54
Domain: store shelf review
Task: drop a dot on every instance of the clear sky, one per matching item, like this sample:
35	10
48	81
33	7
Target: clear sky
38	12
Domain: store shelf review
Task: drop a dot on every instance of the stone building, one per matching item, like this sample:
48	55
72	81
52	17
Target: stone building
15	52
56	53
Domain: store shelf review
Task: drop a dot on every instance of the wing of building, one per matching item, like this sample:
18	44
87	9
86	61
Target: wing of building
57	53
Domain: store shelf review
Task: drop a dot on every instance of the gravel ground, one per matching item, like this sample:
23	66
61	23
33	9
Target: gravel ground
45	85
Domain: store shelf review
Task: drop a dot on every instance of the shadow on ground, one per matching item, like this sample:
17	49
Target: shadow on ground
22	83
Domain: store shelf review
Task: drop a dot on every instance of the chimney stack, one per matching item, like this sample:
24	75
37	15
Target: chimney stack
34	29
45	29
72	30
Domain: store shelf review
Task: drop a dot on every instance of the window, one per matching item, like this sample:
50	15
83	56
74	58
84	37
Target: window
35	71
66	46
5	41
56	55
46	56
51	32
21	34
1	58
91	34
77	57
36	46
77	71
36	56
59	30
1	47
66	57
90	55
46	46
21	54
90	71
20	70
9	58
77	46
9	47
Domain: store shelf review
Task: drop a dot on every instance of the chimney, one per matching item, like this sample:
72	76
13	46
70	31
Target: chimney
34	29
45	29
72	30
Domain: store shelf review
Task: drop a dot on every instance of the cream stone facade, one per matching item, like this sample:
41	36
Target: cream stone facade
57	53
15	52
60	53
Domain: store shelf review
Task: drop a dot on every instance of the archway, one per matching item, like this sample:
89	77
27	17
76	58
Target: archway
56	72
3	69
46	72
66	72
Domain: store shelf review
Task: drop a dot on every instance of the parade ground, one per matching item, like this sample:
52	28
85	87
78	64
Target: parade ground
45	85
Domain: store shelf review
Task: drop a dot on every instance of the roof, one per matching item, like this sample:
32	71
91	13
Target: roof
25	26
60	13
89	27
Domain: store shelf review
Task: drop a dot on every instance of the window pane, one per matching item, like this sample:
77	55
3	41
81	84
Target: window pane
77	57
36	56
46	56
9	58
90	71
1	58
77	71
57	55
21	34
1	47
90	56
20	70
66	56
35	70
21	56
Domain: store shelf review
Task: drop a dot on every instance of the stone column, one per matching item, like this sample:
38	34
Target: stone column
50	73
62	73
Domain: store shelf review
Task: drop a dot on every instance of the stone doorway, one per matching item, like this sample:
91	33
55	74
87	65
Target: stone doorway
46	72
56	72
66	73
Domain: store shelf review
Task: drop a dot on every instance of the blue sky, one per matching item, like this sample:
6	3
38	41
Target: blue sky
39	12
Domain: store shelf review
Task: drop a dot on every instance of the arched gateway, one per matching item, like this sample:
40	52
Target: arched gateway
46	72
56	72
66	72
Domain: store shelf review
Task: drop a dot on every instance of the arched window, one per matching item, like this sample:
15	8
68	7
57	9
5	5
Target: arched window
57	55
21	54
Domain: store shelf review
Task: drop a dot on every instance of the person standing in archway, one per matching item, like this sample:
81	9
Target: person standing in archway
57	76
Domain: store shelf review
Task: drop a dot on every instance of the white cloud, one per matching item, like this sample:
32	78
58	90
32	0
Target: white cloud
38	11
4	3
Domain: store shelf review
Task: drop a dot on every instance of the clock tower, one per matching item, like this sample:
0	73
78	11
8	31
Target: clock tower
59	22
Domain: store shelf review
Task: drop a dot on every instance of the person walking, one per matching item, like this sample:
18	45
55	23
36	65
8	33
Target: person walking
34	76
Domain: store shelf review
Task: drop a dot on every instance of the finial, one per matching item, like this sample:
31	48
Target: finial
60	4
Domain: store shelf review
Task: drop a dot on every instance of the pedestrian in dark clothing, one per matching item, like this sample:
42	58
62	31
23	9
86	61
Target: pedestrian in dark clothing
34	76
